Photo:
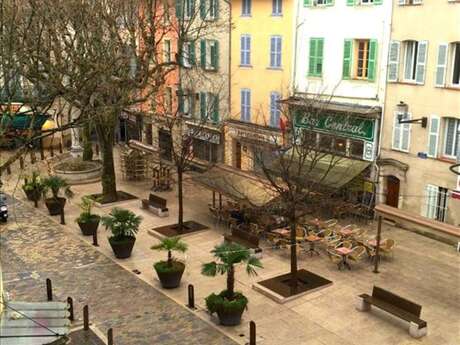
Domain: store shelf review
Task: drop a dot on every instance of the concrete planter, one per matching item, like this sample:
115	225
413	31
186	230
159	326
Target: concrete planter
91	173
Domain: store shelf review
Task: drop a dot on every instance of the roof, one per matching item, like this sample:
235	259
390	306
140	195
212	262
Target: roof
237	185
22	122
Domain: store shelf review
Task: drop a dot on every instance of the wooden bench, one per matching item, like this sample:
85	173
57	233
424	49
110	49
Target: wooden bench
156	205
396	305
245	238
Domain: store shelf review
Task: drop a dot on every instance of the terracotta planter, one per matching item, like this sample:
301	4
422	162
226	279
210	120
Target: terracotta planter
122	248
171	279
89	228
55	206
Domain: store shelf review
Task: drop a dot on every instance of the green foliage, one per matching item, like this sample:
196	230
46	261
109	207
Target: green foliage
171	244
214	302
86	206
87	218
228	255
33	183
166	267
122	223
55	184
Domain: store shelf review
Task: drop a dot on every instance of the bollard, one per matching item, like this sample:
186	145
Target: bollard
70	303
191	297
110	336
32	157
8	169
95	239
62	216
49	289
97	150
60	147
42	153
252	333
85	318
21	162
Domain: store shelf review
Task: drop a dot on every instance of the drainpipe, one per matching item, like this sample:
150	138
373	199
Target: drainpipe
296	30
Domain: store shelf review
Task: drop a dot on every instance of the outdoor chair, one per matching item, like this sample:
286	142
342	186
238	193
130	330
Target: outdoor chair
256	230
357	253
325	233
335	258
346	244
300	234
215	213
332	242
387	247
331	223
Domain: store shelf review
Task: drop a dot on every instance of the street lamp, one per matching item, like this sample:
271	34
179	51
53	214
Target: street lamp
403	110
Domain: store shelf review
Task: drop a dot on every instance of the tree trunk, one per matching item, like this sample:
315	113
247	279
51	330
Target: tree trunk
87	145
293	234
180	199
169	258
108	180
231	282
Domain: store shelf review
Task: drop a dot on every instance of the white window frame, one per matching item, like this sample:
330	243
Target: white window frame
413	69
432	200
403	128
276	48
454	143
245	52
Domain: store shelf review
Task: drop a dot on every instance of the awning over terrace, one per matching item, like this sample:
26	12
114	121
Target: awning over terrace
236	185
22	122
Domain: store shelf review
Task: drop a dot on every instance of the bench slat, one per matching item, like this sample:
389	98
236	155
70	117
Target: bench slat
400	302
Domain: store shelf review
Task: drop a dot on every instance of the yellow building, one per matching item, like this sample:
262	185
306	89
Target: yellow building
260	72
423	84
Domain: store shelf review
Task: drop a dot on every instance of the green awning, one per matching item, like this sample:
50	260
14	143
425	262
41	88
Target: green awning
22	122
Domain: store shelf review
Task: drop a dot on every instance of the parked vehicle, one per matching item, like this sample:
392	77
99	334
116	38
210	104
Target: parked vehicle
3	207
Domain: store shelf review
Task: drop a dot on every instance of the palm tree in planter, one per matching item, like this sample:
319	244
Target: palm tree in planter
124	226
33	187
55	185
87	221
229	305
170	271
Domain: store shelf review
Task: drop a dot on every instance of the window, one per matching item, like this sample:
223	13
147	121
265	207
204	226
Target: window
209	9
409	2
209	50
433	136
326	142
205	150
363	2
186	103
401	133
189	9
340	146
246	105
188	54
245	50
209	107
393	61
359	59
455	64
315	62
246	7
356	148
168	100
436	202
275	52
167	51
308	3
451	130
415	55
275	110
277	7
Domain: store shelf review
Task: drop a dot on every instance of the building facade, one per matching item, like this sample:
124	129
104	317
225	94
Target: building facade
260	69
423	85
341	70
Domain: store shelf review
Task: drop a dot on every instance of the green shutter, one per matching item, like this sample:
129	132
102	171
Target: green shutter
216	10
215	55
329	2
203	9
179	8
371	62
193	8
203	53
378	2
215	108
203	106
347	53
180	96
306	3
350	2
319	56
312	58
192	53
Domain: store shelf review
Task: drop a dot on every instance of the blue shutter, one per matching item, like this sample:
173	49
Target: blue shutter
272	51
279	51
248	50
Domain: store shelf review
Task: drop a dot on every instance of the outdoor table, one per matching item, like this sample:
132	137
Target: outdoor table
346	232
344	252
312	239
373	243
285	232
317	223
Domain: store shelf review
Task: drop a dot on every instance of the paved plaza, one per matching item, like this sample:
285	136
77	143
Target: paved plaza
423	270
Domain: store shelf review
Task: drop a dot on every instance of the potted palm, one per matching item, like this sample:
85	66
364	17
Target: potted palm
124	226
33	187
170	271
228	304
55	184
87	221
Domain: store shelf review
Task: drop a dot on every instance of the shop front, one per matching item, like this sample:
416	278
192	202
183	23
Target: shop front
206	143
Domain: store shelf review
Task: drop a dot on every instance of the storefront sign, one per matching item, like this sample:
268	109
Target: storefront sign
343	125
252	135
205	135
368	154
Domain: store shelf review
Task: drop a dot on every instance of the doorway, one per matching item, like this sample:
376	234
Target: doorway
393	185
238	155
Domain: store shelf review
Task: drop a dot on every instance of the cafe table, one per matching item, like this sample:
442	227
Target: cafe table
312	240
285	232
317	223
344	252
346	232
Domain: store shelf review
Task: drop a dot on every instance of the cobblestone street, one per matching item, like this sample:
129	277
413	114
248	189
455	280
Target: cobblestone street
34	248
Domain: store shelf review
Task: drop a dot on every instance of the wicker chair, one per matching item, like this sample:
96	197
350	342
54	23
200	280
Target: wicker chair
357	253
335	258
388	247
346	244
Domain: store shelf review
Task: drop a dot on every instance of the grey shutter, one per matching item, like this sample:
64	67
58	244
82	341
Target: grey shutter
441	65
393	61
433	136
421	62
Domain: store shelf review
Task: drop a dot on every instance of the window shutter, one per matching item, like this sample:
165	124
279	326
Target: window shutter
441	65
319	56
215	108
418	2
192	58
272	51
329	2
433	136
203	9
272	109
279	50
242	50
215	55
179	8
306	3
350	2
215	3
393	61
396	133
347	51
431	194
312	57
371	63
421	62
377	2
248	50
180	95
192	8
203	106
203	53
405	140
243	105
401	2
